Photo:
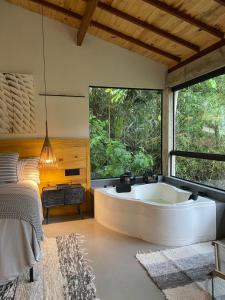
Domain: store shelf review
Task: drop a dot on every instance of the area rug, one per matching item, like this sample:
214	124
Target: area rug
63	273
182	273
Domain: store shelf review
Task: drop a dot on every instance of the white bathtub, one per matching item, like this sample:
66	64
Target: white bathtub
158	213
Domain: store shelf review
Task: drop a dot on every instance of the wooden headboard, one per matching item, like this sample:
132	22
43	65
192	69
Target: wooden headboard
70	154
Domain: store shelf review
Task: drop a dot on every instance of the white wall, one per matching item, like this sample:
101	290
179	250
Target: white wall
70	69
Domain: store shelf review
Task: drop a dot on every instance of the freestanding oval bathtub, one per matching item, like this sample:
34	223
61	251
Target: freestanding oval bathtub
158	213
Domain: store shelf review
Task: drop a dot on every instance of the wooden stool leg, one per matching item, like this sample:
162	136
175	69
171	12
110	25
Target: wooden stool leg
212	287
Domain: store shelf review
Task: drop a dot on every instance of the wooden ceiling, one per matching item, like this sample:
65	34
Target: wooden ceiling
173	32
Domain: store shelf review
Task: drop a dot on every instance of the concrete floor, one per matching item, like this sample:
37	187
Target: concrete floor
118	275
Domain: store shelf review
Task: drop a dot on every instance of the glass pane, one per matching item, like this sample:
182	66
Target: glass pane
202	171
200	117
125	131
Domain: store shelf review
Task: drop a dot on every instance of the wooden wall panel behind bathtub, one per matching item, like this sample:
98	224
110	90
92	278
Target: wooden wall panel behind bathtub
70	154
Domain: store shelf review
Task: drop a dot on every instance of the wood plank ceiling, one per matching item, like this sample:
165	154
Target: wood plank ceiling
172	32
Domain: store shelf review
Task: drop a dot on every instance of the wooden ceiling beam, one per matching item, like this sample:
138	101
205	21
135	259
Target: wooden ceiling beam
202	53
58	8
185	17
147	26
135	41
89	11
107	29
221	2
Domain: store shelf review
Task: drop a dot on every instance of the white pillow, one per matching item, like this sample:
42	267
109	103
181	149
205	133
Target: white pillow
27	169
8	166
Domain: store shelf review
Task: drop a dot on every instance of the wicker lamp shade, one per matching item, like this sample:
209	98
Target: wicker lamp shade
47	157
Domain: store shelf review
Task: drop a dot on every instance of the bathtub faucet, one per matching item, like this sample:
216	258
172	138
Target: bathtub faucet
193	196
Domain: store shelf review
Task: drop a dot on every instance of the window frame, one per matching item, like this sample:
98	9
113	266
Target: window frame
133	88
191	154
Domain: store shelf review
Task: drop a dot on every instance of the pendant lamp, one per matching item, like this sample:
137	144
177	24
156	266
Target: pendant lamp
47	157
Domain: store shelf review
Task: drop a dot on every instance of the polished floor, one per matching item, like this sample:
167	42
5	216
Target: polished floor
118	275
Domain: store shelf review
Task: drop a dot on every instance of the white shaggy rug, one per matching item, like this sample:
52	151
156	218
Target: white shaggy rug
63	273
182	273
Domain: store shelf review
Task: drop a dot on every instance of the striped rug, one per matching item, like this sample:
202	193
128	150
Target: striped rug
63	273
182	273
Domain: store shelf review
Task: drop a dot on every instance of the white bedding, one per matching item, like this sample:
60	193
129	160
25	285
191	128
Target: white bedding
19	248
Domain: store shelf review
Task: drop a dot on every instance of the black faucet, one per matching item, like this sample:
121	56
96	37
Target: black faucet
193	196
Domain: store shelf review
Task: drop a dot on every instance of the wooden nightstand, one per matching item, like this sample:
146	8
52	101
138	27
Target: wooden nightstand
62	195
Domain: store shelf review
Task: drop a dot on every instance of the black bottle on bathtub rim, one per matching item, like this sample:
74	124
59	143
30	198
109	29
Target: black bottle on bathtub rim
127	178
150	177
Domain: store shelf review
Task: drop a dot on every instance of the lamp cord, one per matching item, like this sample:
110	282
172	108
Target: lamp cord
44	65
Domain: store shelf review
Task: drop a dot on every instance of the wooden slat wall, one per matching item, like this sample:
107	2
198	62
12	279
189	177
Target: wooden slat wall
70	154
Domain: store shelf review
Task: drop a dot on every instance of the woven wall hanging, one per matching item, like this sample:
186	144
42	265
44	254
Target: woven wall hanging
17	109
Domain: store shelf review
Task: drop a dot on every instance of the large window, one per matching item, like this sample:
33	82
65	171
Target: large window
125	131
199	131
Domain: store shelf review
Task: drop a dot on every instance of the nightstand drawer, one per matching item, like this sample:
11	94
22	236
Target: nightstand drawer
53	198
74	196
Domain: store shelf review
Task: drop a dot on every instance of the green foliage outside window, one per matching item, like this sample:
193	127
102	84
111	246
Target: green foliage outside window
125	131
200	127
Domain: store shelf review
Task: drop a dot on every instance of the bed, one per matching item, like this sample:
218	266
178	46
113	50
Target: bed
19	246
20	228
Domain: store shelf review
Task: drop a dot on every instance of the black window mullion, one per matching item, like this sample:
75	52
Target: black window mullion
208	156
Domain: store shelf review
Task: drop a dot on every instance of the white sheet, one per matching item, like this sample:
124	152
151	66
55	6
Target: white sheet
19	248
